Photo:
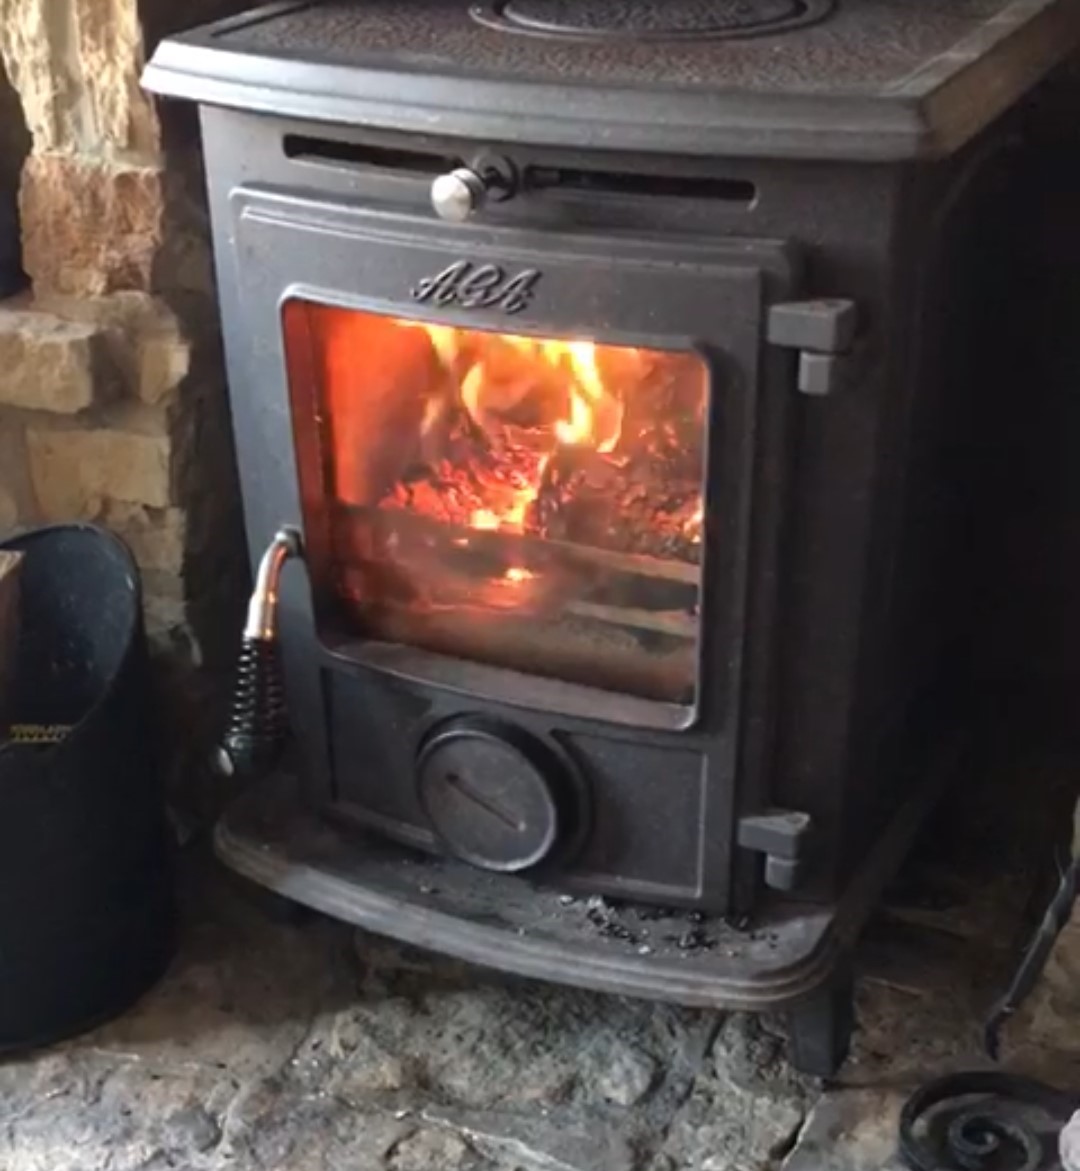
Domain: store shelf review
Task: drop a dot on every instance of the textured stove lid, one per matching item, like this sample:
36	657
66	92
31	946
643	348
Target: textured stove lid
650	19
860	79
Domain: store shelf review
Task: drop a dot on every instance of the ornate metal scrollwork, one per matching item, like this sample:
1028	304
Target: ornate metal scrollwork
992	1127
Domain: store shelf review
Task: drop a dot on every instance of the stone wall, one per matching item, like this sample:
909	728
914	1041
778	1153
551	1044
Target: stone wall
111	389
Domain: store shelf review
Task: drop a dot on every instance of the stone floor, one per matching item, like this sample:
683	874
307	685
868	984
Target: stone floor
301	1046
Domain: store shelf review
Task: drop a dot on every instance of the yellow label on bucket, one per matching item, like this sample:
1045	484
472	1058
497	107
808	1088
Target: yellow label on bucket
38	733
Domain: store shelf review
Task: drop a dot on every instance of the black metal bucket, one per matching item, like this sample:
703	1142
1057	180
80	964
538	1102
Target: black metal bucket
86	908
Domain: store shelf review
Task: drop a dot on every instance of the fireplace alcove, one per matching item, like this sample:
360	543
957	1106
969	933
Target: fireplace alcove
622	376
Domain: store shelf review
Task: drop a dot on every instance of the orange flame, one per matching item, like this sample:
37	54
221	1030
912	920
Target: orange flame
524	400
595	416
591	414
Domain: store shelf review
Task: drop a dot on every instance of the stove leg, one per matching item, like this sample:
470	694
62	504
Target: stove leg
820	1028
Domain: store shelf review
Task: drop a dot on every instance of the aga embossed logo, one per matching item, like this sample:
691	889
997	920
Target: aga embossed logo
478	286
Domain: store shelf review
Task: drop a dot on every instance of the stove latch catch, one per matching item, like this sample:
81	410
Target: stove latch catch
783	836
823	332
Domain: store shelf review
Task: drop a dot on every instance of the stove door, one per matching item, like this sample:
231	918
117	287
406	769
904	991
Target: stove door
525	463
532	459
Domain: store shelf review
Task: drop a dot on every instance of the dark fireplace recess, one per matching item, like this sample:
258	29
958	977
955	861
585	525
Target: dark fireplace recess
619	364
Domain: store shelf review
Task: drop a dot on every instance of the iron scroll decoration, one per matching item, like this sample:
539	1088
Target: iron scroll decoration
650	20
997	1131
991	1128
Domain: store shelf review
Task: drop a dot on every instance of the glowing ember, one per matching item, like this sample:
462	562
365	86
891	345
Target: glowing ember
560	438
518	574
693	527
483	518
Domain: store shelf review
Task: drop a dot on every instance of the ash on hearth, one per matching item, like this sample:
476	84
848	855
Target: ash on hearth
652	928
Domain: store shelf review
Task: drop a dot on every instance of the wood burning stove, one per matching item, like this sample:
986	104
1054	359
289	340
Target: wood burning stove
613	359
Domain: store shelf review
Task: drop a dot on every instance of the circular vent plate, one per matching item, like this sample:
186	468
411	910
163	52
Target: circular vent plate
650	19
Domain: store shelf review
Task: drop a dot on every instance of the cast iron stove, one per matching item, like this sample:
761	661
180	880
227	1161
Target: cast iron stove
618	363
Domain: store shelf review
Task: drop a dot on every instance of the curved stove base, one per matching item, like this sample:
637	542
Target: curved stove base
792	955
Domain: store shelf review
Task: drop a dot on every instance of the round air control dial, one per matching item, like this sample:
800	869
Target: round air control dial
496	796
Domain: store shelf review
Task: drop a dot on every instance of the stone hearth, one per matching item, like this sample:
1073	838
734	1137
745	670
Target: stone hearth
281	1043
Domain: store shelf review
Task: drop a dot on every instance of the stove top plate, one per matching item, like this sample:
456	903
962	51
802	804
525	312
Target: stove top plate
872	80
650	20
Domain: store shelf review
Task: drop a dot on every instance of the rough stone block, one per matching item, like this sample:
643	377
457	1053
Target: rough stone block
163	360
30	47
147	340
155	535
127	312
75	471
849	1130
76	65
9	512
90	228
428	1148
18	504
52	365
167	629
109	48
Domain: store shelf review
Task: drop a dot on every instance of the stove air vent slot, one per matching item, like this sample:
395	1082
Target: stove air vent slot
336	152
623	184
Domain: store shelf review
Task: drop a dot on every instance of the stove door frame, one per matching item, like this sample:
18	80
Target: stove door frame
666	292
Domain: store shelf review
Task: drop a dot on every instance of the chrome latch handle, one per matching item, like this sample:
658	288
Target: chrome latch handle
461	193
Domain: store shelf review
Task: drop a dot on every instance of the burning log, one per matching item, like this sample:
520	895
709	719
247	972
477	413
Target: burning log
586	445
673	623
411	556
613	502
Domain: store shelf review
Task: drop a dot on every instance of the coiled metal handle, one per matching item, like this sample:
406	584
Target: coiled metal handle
258	726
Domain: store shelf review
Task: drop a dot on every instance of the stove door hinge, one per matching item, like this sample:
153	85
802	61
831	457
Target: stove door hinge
824	334
783	836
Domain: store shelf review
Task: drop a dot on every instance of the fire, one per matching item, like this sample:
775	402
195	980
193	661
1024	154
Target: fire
483	518
595	416
533	503
444	339
694	526
554	437
494	390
